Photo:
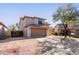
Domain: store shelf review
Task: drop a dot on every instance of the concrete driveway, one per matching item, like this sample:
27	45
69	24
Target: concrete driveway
20	46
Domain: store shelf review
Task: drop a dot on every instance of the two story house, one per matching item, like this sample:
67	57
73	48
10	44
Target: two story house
33	26
74	29
3	31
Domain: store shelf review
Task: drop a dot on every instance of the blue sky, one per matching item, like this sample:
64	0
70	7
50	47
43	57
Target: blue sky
11	13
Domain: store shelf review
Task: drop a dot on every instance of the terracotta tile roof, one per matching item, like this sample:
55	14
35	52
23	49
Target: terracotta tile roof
27	17
39	18
36	25
34	18
31	25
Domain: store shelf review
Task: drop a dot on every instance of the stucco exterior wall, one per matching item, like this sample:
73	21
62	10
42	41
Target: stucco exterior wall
28	21
21	24
27	32
35	21
25	22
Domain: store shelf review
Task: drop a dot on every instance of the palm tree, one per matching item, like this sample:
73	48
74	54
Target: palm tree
66	14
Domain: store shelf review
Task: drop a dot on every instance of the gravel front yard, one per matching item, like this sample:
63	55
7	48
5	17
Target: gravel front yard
53	46
36	46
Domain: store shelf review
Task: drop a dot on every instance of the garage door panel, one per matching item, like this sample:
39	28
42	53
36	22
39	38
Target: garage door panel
38	33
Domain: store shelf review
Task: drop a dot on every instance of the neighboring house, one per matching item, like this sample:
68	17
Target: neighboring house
74	29
3	31
3	27
33	26
59	29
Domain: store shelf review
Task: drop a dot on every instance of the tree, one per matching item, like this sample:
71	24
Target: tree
17	26
12	28
66	14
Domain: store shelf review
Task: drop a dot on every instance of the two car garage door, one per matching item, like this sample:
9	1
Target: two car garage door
35	32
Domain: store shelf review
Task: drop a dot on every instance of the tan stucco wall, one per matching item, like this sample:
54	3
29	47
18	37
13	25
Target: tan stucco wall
27	32
28	21
21	24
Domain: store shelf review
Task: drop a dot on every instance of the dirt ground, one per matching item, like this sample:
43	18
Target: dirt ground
20	46
49	45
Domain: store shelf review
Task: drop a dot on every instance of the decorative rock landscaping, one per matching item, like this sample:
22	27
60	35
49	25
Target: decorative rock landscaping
55	47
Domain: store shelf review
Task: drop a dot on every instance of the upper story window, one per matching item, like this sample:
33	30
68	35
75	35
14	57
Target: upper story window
40	22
